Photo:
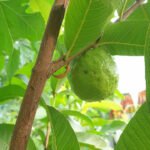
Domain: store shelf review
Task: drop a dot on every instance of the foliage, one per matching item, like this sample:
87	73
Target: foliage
135	136
61	130
87	19
86	125
6	131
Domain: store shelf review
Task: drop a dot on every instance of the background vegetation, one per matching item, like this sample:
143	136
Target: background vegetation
77	124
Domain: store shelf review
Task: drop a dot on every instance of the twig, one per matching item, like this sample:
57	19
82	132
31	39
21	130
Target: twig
38	79
130	10
62	62
47	136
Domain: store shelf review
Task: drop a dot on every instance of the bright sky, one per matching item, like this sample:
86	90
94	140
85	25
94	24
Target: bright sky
131	74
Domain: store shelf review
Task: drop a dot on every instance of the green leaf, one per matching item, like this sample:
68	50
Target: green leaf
113	126
103	105
92	139
147	65
85	146
136	135
42	6
100	121
55	82
13	64
10	92
141	13
2	61
26	51
125	38
63	136
85	22
26	69
60	47
128	37
16	24
118	4
6	133
20	80
79	115
56	85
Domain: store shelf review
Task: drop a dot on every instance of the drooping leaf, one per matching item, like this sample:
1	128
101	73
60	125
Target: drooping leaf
10	92
6	133
136	135
125	38
13	64
25	70
56	82
95	141
85	26
16	23
79	115
20	80
63	136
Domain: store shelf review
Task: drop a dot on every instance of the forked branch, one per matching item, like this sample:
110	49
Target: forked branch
62	62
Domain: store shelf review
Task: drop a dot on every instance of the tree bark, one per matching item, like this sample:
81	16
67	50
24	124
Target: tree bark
38	78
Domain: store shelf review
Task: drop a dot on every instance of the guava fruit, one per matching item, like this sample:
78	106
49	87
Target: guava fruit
93	75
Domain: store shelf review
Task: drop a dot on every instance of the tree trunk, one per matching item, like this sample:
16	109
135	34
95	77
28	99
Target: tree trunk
38	78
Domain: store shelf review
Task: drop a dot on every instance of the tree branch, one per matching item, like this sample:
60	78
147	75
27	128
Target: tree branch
62	62
131	9
38	78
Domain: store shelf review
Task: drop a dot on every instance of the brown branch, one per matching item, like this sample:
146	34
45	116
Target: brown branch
62	62
38	78
130	10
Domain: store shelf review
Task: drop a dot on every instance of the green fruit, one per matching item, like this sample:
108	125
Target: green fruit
93	75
